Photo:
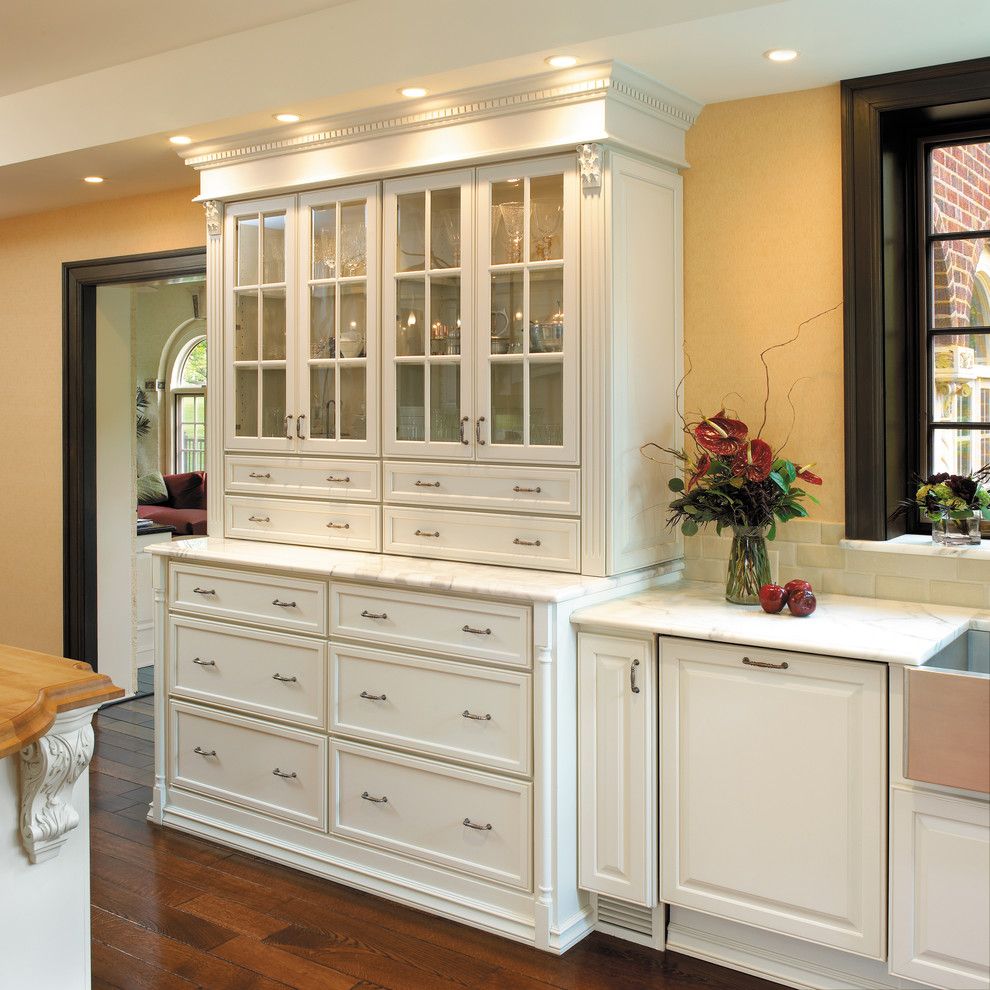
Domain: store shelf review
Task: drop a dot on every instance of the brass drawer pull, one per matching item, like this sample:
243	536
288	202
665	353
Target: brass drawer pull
477	632
761	663
527	543
477	431
427	484
204	663
205	752
299	426
477	718
373	615
339	481
259	519
633	686
288	429
333	525
464	421
254	474
285	680
290	775
367	797
534	491
281	604
204	591
421	532
373	697
479	828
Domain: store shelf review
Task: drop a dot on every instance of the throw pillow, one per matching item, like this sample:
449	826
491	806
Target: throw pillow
151	489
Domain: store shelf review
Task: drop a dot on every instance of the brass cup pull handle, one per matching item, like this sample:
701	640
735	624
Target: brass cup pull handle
367	797
299	423
464	421
373	697
633	686
205	752
373	615
259	519
204	591
527	543
427	484
479	828
477	632
254	474
477	431
288	429
763	663
281	604
333	525
204	663
528	491
477	718
288	775
339	481
422	532
285	680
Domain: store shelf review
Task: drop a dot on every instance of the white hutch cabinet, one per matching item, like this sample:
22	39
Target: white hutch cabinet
446	330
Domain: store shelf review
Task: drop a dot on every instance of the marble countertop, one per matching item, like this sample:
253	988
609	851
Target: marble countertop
406	572
860	628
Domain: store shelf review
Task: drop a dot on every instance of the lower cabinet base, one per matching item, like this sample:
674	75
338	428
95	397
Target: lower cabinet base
510	914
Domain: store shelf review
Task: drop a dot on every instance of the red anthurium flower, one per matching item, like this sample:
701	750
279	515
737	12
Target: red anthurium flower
806	475
721	435
704	463
754	461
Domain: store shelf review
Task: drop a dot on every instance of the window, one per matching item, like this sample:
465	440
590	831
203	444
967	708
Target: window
188	393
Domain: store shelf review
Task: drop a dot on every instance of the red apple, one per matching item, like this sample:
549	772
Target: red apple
772	598
797	585
802	602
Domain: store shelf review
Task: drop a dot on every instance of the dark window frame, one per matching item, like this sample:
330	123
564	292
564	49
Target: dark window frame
883	119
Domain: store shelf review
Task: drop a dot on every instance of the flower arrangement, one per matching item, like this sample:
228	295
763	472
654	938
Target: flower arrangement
945	493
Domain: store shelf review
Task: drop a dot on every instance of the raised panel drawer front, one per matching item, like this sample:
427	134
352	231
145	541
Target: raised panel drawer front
265	673
278	771
447	709
485	486
243	596
309	477
483	537
773	781
940	890
464	627
463	820
341	525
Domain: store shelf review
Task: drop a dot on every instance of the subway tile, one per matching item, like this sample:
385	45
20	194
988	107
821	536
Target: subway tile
790	573
832	533
965	594
715	547
801	531
810	554
706	570
913	565
904	589
973	569
692	549
786	551
849	583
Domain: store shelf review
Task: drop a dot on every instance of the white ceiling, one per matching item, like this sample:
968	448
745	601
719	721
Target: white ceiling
114	118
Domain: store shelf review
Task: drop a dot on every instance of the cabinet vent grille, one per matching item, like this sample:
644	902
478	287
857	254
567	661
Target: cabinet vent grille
631	917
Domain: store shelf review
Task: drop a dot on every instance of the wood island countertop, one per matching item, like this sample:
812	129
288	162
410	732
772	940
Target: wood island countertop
35	687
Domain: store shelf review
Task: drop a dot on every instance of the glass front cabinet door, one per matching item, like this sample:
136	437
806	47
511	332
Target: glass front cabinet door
338	321
427	332
260	314
528	359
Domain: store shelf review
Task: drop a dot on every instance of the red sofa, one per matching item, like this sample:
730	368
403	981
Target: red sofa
186	505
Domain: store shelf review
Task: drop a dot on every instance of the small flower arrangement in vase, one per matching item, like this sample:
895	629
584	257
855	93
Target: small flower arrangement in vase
954	504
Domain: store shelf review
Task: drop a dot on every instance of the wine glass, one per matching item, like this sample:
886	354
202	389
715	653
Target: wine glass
511	216
546	218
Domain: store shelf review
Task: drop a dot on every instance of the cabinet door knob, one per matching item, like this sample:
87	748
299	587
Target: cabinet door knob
204	663
373	615
762	663
339	481
427	484
285	680
205	752
263	519
288	774
477	431
477	718
421	532
373	697
479	828
333	525
527	543
281	604
204	591
533	491
464	421
254	474
477	632
299	423
633	686
288	429
367	797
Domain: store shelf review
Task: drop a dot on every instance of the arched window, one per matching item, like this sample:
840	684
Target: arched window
187	392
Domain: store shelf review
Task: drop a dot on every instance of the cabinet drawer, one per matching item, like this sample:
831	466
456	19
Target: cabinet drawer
310	477
446	709
484	537
484	486
235	759
346	526
427	810
463	627
269	674
264	599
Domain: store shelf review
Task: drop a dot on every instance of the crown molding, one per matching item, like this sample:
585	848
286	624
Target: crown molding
610	81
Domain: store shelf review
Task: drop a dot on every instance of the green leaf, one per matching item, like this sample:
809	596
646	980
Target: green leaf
800	510
778	481
676	484
772	535
689	527
789	471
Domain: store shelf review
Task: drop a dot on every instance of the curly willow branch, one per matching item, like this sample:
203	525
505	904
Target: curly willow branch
790	402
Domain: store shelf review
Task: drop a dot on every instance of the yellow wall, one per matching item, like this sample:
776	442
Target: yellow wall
32	250
762	252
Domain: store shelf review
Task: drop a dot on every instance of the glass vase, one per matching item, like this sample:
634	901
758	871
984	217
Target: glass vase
749	565
957	528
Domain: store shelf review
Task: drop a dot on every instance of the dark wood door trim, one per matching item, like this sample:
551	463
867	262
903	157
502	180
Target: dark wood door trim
80	280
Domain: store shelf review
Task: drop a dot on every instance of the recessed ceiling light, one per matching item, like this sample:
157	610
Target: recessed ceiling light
413	92
561	61
94	179
288	118
781	55
180	139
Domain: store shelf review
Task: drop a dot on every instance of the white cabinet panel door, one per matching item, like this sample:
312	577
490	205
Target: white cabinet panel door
773	786
617	767
940	890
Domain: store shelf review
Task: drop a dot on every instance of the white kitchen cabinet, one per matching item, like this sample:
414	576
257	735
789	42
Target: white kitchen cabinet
940	889
773	783
617	767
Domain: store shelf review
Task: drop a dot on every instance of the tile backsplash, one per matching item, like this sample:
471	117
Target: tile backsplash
815	551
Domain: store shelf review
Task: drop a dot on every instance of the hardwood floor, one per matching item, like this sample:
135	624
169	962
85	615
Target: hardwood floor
174	911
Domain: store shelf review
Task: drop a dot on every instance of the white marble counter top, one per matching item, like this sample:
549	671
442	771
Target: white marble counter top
406	572
860	628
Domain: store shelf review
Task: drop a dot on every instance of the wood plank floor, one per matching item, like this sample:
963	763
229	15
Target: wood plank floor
173	911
